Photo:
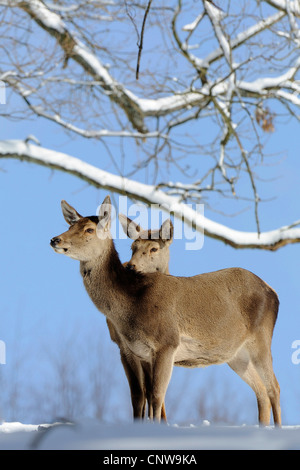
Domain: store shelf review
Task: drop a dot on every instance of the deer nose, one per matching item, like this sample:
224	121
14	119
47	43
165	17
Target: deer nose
130	266
54	241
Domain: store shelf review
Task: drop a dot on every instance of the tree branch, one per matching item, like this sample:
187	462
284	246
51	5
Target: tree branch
286	6
149	194
137	109
141	41
53	24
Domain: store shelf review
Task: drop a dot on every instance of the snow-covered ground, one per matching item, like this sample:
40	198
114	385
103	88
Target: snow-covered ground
94	435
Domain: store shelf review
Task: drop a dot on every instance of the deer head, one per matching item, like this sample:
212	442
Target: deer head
150	249
87	237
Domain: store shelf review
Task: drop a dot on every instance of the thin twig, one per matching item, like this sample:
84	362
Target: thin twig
141	41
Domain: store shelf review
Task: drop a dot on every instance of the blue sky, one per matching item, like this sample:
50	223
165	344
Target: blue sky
42	296
43	301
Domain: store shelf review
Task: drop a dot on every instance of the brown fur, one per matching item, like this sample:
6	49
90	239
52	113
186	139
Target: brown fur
150	248
150	253
226	316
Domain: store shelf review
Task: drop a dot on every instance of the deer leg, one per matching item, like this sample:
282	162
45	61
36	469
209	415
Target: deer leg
147	370
135	377
148	381
163	412
262	360
133	373
162	371
243	366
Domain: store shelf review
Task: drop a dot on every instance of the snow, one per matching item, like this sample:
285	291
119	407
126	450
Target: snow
94	63
244	36
216	15
96	435
282	5
53	21
272	82
162	106
214	11
48	18
191	26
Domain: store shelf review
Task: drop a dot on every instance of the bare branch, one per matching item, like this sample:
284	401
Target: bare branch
141	41
53	24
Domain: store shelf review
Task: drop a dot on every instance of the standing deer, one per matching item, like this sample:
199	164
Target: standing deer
150	253
227	316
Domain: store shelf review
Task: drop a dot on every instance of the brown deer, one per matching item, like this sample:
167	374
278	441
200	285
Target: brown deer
227	316
150	248
150	253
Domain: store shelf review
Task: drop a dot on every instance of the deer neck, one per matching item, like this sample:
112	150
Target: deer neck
105	281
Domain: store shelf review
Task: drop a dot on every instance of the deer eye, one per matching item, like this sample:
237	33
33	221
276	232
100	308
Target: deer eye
90	230
153	250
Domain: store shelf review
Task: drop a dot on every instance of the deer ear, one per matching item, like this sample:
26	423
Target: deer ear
166	231
105	214
131	229
70	214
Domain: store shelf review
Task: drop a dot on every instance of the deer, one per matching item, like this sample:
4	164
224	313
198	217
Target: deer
150	253
225	316
150	248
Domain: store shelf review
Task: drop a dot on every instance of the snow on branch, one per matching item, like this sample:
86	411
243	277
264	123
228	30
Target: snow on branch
245	35
57	119
138	109
76	50
215	15
135	108
271	240
286	6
